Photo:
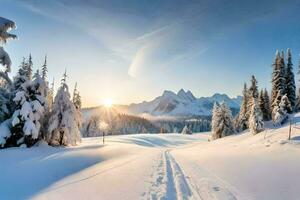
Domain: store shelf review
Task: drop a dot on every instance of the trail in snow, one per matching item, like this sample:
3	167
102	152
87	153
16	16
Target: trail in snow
169	181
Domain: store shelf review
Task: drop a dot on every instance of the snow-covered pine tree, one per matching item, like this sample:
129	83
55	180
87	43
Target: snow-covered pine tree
261	104
77	103
76	98
28	69
290	81
278	80
280	112
253	91
5	26
63	128
227	120
186	130
30	103
222	122
256	123
44	69
5	86
21	77
241	122
267	111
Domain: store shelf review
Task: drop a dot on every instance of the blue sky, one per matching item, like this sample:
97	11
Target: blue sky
130	51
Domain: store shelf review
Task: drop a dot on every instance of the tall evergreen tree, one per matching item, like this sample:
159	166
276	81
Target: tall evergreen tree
77	103
280	114
30	103
76	98
222	122
278	80
290	81
261	103
44	69
29	68
256	123
267	114
253	91
243	116
21	77
63	126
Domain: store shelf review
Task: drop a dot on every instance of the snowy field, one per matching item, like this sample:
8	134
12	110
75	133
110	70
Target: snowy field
162	166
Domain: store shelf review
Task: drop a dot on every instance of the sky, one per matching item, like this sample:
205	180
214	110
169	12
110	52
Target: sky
132	50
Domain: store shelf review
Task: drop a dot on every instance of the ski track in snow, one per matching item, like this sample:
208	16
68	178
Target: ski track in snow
169	181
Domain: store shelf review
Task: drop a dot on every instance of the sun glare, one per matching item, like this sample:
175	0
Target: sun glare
107	103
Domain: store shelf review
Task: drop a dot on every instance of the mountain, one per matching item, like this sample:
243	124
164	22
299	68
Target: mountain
184	103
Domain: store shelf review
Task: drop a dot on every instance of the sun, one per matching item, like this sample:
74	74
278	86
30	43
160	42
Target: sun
107	103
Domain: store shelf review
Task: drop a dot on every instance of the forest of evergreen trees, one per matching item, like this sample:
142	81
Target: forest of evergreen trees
257	106
29	112
119	124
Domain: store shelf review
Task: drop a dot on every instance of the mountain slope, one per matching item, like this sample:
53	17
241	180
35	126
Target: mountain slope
182	104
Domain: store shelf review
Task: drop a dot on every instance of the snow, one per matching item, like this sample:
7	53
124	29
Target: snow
182	104
5	26
158	166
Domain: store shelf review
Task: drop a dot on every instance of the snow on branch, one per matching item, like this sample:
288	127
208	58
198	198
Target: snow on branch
5	26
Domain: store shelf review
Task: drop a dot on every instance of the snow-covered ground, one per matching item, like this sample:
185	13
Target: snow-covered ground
162	166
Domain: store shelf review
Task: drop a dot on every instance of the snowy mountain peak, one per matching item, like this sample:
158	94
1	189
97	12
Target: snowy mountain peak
187	96
184	103
168	93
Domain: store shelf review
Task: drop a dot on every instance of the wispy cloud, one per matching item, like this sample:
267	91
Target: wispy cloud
151	38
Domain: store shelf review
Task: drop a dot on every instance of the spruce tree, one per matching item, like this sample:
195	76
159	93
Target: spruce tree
243	116
290	81
76	98
278	80
261	104
29	68
267	114
44	69
77	103
222	122
280	112
63	126
6	103
30	103
256	123
253	91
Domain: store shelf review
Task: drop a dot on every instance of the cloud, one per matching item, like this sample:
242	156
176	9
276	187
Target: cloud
148	37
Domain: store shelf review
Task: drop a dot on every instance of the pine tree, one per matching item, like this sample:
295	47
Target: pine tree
278	80
256	123
243	116
5	82
77	103
21	77
186	130
76	98
290	81
261	104
30	103
280	112
44	69
50	96
222	122
63	128
5	26
253	91
267	112
29	67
